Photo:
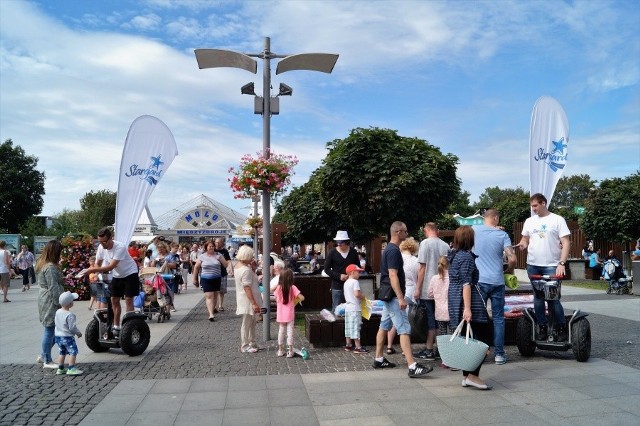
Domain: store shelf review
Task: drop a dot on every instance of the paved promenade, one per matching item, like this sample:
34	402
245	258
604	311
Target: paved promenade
194	374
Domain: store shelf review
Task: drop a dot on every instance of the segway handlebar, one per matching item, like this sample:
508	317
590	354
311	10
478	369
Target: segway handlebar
547	277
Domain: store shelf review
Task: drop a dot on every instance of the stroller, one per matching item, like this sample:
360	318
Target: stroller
157	297
617	281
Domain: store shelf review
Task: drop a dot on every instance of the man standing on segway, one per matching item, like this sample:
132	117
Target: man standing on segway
546	237
125	273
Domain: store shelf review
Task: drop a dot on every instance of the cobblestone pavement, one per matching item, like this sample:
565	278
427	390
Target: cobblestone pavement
196	348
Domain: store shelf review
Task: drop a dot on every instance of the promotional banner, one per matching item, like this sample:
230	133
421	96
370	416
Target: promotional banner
148	152
548	141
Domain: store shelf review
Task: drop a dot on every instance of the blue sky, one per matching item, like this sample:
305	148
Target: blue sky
463	75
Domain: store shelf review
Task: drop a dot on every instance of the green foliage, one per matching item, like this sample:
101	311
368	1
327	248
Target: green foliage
461	206
573	191
446	221
611	211
374	177
512	204
308	219
67	222
22	186
98	209
30	228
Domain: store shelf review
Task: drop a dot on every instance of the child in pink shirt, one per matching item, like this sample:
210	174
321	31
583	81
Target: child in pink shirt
286	294
439	291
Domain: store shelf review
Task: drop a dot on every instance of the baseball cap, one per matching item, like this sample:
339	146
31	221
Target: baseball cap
353	267
67	298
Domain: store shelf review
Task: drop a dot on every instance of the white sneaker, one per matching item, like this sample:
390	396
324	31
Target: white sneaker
51	364
500	359
249	350
39	360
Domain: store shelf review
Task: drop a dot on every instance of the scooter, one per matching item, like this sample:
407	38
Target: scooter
133	336
578	327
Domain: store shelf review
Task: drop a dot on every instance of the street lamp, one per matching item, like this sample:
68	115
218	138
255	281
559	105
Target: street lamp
217	58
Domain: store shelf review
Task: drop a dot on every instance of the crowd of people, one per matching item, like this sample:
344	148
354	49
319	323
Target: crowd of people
452	284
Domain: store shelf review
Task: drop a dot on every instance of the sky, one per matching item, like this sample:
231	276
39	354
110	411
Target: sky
462	75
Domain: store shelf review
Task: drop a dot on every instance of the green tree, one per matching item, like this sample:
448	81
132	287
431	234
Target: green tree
30	228
22	186
67	222
308	219
511	203
374	176
98	209
571	192
611	211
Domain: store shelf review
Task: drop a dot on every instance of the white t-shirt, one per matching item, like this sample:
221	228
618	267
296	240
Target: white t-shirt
544	239
429	253
126	265
353	303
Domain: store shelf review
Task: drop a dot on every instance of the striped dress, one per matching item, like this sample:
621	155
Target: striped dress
462	270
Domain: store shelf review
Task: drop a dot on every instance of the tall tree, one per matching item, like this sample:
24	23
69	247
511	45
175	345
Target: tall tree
67	222
572	191
611	211
511	203
22	186
374	176
98	209
30	228
308	219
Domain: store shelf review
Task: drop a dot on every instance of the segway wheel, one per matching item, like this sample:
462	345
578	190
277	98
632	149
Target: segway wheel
581	339
524	337
134	337
92	336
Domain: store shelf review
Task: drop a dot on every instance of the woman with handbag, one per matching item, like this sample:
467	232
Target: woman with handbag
465	301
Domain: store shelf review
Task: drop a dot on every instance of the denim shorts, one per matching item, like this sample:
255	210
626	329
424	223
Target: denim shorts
393	316
67	345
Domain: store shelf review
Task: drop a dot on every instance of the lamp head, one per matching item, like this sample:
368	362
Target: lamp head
248	89
285	90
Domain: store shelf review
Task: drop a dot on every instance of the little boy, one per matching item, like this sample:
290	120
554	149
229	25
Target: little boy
353	311
65	330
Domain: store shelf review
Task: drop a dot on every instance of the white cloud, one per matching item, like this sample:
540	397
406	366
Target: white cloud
146	22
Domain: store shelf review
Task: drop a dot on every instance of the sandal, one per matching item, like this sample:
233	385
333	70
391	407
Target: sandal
391	351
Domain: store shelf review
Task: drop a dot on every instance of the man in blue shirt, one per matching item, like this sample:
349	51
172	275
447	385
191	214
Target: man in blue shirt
491	245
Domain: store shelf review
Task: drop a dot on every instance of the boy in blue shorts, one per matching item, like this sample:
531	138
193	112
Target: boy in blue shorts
65	331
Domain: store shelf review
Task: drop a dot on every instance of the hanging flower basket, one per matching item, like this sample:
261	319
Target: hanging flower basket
271	174
255	222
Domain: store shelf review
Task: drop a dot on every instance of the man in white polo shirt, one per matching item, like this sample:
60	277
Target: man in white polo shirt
125	281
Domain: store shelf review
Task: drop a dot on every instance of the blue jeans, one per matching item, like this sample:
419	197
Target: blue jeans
337	297
538	298
495	293
48	339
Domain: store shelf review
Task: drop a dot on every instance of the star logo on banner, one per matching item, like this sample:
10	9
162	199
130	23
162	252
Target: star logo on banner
155	161
559	146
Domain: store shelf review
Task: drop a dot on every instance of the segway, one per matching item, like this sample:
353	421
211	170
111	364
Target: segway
578	327
133	336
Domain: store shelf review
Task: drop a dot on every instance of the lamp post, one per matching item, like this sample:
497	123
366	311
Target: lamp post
266	105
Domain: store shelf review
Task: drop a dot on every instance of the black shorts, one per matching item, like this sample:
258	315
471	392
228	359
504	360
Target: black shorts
430	306
210	284
128	286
